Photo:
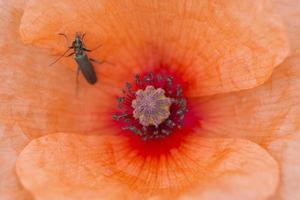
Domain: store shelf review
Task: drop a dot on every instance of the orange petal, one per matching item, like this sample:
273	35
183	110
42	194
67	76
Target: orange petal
12	138
290	12
40	98
12	141
259	114
70	166
220	46
286	151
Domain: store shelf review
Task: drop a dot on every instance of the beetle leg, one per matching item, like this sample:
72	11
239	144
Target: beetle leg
66	37
70	54
100	62
77	82
88	50
96	47
96	61
60	57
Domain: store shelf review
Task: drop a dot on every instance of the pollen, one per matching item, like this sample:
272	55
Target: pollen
151	106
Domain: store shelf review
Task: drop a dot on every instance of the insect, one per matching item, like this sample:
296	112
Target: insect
84	63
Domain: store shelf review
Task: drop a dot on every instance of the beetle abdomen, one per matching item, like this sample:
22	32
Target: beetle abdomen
86	68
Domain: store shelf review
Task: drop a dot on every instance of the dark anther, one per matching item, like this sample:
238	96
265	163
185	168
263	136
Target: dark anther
128	85
115	117
121	99
170	80
170	123
137	79
133	129
132	106
179	91
159	78
118	117
151	75
148	78
180	112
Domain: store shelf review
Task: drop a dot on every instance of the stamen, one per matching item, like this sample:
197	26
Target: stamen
153	107
159	78
137	79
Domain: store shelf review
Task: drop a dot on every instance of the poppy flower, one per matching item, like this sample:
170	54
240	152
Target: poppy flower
194	100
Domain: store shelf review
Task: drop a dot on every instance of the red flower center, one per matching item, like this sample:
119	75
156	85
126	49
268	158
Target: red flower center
153	107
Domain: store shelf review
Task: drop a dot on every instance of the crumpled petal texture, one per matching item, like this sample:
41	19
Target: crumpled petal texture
289	10
40	98
12	141
223	45
268	115
33	94
103	167
259	114
218	57
286	150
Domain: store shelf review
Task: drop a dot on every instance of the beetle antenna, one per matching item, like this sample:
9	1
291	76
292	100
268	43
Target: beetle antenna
60	56
96	47
82	37
66	37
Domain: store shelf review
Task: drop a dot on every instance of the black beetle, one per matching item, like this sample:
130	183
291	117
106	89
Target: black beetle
83	61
